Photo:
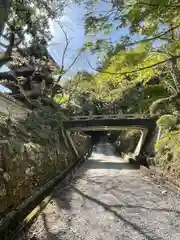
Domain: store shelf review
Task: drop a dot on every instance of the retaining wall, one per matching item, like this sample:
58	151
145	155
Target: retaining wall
33	150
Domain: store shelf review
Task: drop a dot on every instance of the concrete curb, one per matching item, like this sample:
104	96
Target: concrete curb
161	178
15	221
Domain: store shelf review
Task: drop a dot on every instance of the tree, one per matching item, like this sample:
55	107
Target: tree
5	6
26	38
27	19
156	50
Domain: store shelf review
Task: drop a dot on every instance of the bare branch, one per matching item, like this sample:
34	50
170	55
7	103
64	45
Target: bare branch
70	66
66	47
73	62
64	71
64	52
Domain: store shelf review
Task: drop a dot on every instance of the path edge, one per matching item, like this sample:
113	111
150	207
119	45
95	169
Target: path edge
16	220
161	177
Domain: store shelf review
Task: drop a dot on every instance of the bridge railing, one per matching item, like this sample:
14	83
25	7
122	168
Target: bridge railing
112	116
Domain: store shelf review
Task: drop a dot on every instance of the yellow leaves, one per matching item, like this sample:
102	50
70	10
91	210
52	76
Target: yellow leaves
151	59
174	47
61	99
127	60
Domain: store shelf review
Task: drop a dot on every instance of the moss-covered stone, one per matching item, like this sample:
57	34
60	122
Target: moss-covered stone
168	153
167	122
32	151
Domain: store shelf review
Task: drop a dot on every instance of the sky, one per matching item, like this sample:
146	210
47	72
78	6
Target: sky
73	23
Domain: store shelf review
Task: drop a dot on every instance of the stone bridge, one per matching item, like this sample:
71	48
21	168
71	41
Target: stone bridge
93	123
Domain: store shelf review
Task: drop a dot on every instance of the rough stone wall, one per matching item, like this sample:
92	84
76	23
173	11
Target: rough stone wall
32	151
150	149
78	139
127	140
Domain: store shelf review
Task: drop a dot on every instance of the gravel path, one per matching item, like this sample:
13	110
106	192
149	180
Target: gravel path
108	199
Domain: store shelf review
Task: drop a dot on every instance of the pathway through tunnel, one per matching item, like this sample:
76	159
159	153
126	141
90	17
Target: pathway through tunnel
105	156
108	199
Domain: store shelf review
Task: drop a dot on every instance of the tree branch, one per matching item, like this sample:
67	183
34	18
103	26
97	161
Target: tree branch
12	43
7	55
146	4
135	70
152	38
64	71
73	62
21	37
158	4
70	66
66	47
64	52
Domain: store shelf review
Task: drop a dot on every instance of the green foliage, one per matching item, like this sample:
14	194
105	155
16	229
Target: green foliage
165	105
61	99
167	122
158	105
96	24
28	28
141	19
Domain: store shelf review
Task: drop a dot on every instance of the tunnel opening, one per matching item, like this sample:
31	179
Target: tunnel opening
120	139
112	128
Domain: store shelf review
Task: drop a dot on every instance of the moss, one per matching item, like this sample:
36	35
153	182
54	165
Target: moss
167	122
32	151
128	140
168	153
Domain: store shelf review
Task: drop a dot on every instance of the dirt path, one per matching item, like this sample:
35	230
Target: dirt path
109	200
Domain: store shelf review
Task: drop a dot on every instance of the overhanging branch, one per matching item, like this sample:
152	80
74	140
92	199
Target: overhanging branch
135	70
152	38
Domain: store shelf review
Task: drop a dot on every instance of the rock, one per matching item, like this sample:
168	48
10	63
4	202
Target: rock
164	192
6	176
3	191
29	171
33	238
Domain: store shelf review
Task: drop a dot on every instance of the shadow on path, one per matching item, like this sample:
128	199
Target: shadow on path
99	164
119	216
113	187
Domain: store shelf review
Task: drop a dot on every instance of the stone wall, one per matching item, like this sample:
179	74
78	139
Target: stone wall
32	151
127	141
